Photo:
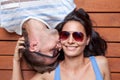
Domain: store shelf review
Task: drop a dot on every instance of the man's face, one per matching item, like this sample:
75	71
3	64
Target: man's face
48	42
45	43
41	39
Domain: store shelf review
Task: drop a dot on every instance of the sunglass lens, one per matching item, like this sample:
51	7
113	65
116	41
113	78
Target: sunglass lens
78	36
64	35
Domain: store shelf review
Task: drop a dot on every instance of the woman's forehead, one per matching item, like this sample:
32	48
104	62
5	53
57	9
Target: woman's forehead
73	26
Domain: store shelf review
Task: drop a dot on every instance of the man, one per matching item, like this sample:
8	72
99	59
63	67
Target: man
40	49
30	15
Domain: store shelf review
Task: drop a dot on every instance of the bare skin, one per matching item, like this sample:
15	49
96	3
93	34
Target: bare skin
41	40
40	37
88	70
17	61
75	65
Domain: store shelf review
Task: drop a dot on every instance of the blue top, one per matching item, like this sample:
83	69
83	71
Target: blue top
95	67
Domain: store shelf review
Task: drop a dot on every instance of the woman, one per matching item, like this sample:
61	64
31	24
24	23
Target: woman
83	50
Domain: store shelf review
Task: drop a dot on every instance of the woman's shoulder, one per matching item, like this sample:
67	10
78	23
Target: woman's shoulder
102	62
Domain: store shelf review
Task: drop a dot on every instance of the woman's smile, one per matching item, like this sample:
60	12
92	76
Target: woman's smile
71	48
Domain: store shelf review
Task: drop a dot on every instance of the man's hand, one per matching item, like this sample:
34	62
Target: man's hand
18	49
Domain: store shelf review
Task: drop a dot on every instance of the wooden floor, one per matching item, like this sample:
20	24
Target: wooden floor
106	19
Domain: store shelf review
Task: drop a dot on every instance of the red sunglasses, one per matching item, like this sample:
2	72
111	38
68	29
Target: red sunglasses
78	36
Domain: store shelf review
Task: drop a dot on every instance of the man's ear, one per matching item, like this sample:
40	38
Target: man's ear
59	46
33	46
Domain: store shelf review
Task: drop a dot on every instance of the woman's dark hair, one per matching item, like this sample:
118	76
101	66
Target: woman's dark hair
97	45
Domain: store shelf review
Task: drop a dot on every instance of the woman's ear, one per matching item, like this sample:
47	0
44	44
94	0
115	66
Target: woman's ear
88	40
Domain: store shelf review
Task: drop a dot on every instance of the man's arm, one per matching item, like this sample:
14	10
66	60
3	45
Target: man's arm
17	72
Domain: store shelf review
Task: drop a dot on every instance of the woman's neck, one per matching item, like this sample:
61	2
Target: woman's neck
73	62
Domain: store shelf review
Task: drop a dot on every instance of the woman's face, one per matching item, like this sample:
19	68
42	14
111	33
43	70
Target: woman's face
73	44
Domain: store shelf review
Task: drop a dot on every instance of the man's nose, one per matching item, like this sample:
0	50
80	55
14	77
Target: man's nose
54	35
53	31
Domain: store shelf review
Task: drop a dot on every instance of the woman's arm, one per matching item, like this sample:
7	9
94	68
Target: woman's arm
104	67
17	72
107	75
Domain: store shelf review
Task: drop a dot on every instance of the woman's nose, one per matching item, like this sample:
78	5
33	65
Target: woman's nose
70	39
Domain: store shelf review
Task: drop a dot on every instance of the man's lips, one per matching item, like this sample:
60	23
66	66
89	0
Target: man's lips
55	53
